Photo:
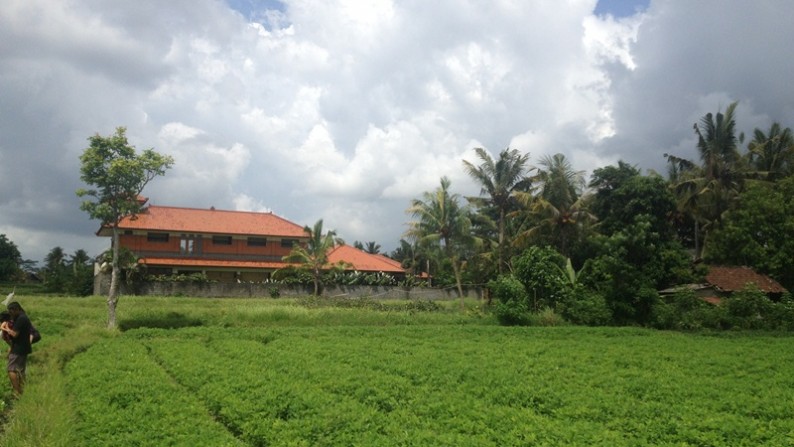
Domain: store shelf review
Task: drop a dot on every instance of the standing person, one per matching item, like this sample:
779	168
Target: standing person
20	345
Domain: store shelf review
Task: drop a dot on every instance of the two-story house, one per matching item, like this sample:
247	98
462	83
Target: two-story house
227	246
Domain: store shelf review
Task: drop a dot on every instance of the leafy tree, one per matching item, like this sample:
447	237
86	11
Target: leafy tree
443	224
499	179
410	256
55	271
542	272
313	258
81	281
10	259
758	232
631	265
621	194
118	176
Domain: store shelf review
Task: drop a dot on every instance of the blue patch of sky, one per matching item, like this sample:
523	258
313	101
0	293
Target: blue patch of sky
620	8
270	13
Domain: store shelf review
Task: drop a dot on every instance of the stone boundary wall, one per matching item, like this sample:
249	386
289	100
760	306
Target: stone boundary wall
259	290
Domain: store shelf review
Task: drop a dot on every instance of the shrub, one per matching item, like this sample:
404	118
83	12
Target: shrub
586	307
782	314
546	317
511	301
197	277
685	310
750	309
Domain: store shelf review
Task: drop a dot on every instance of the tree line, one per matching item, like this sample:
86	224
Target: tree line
538	232
604	247
61	273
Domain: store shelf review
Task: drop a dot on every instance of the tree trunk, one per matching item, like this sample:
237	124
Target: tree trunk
114	281
500	255
698	245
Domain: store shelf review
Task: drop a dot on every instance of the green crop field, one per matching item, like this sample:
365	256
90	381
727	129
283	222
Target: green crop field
189	372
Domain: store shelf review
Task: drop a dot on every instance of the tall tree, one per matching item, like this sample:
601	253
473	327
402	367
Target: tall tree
314	256
441	221
772	152
498	180
372	248
622	193
82	277
559	213
118	175
55	271
707	191
412	258
10	259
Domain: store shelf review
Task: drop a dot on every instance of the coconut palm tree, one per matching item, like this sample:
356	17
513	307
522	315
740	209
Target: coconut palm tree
772	153
441	222
372	248
708	190
314	256
558	214
499	179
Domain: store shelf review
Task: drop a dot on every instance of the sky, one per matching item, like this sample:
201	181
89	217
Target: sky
346	110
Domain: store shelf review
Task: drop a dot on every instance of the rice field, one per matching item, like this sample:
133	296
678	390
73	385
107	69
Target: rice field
186	372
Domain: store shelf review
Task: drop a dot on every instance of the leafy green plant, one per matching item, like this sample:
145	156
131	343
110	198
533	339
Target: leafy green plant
196	277
541	271
587	307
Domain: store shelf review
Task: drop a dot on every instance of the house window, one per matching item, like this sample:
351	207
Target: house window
188	244
157	237
221	240
288	243
257	241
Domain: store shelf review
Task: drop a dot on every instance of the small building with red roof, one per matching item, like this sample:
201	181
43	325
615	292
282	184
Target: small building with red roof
723	281
227	246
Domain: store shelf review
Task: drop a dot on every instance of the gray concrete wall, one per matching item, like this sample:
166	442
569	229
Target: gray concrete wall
260	290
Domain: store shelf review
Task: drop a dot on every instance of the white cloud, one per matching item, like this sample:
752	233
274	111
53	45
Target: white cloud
346	111
244	202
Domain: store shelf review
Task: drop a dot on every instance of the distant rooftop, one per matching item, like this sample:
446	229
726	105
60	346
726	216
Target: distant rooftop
733	279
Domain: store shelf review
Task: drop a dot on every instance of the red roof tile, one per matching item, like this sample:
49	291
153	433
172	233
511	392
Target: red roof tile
363	261
732	279
195	220
211	263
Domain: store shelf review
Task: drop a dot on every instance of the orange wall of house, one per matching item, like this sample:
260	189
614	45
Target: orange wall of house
239	247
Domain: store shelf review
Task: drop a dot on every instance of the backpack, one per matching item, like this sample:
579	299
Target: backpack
35	335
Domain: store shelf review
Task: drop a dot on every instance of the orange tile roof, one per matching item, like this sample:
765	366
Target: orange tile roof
211	263
195	220
360	260
732	279
363	261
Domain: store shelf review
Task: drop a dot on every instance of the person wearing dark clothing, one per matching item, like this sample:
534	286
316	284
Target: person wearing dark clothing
20	345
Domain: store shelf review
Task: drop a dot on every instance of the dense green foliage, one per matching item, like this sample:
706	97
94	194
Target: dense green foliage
758	231
10	259
265	372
